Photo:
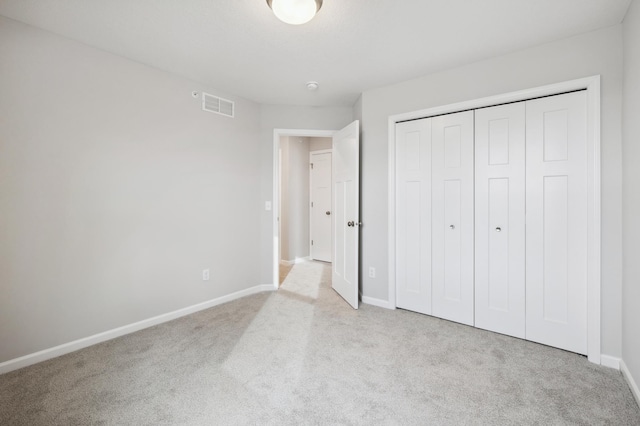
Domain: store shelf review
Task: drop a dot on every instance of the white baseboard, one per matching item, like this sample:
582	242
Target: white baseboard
632	383
34	358
294	261
610	361
376	302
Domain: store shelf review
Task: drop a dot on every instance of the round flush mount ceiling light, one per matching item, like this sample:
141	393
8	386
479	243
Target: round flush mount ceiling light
295	12
312	86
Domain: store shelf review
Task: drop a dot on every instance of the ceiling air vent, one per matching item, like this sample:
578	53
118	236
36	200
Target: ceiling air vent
218	105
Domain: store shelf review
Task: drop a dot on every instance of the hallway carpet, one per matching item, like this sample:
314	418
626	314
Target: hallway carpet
284	270
301	355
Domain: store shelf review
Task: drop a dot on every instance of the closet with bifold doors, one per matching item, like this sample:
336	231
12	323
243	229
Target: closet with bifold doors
491	218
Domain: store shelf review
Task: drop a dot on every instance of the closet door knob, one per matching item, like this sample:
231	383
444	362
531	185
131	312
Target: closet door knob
498	229
328	213
452	227
350	223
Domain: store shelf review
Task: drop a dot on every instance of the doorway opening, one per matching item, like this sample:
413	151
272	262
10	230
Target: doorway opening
345	219
299	233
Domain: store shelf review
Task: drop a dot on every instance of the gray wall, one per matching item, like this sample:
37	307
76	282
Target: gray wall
298	198
116	190
598	52
357	110
294	196
284	198
286	117
631	193
317	144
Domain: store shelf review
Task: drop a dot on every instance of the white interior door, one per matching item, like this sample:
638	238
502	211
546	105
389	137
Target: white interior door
556	258
346	193
500	219
413	215
452	215
320	227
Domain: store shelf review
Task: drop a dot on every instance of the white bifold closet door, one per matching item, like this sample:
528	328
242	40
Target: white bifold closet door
500	219
413	215
452	217
491	219
556	246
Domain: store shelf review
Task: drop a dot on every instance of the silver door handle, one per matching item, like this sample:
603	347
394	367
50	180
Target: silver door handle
350	223
452	227
498	229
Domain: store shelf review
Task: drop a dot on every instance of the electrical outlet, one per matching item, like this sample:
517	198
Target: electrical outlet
372	272
205	275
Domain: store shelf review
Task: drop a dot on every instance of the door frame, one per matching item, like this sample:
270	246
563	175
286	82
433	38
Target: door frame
592	86
311	153
275	205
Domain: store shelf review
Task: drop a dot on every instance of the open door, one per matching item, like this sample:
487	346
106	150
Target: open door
346	205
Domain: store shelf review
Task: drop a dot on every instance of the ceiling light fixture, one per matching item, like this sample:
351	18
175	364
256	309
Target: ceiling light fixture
295	12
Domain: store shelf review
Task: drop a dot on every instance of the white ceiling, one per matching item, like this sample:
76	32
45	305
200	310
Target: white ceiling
240	47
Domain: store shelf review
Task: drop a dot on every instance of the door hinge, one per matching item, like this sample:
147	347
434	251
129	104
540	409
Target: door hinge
312	204
311	165
311	242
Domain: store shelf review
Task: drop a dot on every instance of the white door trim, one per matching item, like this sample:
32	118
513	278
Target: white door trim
592	85
275	205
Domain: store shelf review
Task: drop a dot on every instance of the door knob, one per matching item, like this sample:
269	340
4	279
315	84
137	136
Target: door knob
498	229
328	213
350	223
452	227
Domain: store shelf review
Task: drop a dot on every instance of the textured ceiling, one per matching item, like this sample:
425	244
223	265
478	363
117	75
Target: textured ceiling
351	45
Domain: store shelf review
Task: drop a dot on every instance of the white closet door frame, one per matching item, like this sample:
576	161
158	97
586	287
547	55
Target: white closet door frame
592	85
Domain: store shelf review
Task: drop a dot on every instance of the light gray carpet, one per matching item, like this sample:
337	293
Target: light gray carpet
302	356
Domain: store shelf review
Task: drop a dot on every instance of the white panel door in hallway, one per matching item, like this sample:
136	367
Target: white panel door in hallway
556	246
452	215
321	210
346	193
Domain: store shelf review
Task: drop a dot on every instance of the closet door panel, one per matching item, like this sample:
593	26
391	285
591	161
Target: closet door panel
500	219
452	261
452	217
413	215
556	259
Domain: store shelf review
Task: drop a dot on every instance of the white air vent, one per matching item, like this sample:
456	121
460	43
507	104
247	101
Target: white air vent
218	105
